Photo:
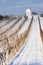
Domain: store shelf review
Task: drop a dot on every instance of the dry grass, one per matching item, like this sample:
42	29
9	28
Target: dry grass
41	31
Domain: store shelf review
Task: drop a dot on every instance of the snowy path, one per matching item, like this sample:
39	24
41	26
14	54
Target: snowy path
31	52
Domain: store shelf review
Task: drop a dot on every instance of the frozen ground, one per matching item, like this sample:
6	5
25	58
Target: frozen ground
31	53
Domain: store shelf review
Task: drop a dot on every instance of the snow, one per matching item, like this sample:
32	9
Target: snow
41	20
3	23
13	30
31	51
7	26
25	26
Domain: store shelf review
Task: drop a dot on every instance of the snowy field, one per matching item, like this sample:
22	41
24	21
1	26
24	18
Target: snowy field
31	52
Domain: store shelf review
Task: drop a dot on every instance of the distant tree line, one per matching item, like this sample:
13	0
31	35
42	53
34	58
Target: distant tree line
2	17
7	17
41	15
34	13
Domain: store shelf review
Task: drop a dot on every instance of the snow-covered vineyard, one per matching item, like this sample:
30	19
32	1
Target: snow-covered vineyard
21	41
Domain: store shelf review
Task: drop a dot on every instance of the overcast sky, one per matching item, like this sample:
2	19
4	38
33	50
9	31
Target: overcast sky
18	7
